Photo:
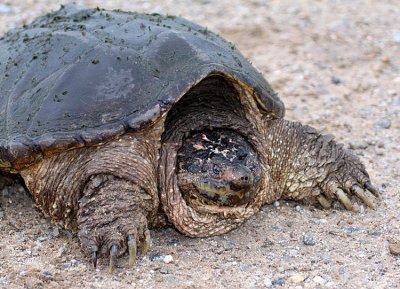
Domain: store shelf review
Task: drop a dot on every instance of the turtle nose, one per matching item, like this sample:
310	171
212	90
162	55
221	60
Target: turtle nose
242	178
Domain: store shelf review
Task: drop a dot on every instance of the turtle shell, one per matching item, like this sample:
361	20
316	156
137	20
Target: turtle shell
78	76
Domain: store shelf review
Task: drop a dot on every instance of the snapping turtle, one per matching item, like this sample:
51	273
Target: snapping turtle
119	122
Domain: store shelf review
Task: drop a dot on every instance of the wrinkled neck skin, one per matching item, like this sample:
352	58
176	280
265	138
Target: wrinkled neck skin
213	104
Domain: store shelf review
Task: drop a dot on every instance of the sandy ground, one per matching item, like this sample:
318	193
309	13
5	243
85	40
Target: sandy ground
336	66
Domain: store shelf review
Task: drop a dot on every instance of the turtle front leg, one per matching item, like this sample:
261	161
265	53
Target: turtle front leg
309	166
112	219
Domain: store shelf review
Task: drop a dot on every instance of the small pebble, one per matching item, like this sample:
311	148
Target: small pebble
276	204
164	271
245	267
361	145
396	37
23	273
296	278
278	282
394	249
308	240
228	245
350	230
168	259
267	282
375	233
55	232
335	80
74	262
384	123
47	274
319	280
5	9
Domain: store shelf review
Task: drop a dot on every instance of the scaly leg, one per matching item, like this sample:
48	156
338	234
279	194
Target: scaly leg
112	219
309	166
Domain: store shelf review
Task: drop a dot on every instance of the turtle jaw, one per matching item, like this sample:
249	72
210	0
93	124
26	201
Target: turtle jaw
234	189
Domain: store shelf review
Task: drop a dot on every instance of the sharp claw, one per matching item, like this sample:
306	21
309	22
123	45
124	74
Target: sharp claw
132	250
113	258
344	199
373	190
94	258
360	194
146	242
324	202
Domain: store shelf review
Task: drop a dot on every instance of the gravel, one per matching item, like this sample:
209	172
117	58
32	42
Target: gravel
336	66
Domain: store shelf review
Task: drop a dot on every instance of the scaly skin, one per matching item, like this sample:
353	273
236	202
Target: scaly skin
309	166
108	194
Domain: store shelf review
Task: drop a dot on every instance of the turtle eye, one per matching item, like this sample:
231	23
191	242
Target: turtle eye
242	156
216	170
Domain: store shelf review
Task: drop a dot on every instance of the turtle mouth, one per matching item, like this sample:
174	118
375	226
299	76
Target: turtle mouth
221	192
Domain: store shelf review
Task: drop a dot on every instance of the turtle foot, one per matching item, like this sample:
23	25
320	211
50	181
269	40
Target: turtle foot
351	180
115	240
112	220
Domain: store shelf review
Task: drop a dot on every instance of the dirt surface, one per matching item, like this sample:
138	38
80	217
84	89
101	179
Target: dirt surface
336	66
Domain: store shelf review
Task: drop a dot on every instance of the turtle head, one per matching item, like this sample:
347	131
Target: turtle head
217	167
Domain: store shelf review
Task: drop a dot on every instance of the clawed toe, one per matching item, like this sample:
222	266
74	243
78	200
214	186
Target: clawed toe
115	245
324	202
373	190
132	250
341	195
94	258
359	192
146	242
113	258
132	246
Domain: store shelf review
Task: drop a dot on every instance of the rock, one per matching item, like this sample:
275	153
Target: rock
351	230
341	24
319	280
308	240
55	232
245	267
394	249
296	278
267	243
164	271
384	123
375	233
23	273
173	242
267	282
228	245
276	204
167	259
74	262
335	80
278	282
396	37
47	275
5	9
358	145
